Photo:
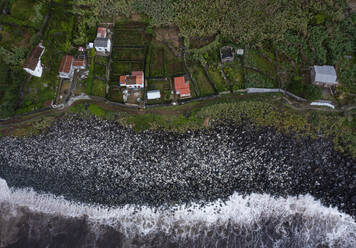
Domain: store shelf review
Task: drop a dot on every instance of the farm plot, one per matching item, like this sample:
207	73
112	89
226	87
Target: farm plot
128	38
115	95
234	73
100	71
260	72
215	75
203	84
99	88
157	69
128	54
174	65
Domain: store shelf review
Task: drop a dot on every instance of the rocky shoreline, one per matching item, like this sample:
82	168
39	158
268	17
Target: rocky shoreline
100	161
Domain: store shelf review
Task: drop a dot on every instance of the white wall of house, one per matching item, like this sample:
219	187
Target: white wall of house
68	75
38	70
108	48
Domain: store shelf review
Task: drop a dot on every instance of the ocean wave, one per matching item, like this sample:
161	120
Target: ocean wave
255	220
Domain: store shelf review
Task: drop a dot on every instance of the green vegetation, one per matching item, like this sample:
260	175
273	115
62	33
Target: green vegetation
132	54
91	72
205	88
157	68
215	75
99	88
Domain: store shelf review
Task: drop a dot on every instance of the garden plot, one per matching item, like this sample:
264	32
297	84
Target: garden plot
260	71
157	69
99	88
203	84
39	92
128	54
100	71
234	73
128	38
14	36
217	78
174	65
115	94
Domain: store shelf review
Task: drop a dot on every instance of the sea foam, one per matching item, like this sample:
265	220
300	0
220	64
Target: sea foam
314	223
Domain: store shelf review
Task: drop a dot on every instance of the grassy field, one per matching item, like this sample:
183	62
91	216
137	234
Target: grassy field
129	38
115	95
100	70
135	54
99	88
234	72
39	92
157	61
204	87
173	64
215	75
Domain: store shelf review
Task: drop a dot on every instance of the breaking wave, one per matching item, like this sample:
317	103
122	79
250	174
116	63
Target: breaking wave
255	220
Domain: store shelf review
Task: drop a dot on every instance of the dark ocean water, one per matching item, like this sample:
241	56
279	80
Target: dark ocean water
29	219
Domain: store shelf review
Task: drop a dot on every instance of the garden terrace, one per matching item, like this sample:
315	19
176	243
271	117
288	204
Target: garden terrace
202	82
128	54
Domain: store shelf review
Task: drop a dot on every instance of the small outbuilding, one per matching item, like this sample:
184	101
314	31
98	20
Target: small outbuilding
227	54
153	94
324	76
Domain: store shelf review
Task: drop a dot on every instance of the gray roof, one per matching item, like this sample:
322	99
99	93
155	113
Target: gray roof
325	74
101	42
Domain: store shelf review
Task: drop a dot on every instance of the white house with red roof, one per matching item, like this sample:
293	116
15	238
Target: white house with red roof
66	69
135	80
102	43
33	62
181	85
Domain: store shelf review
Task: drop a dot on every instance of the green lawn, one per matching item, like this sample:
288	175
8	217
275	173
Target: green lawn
215	75
115	95
129	38
27	10
100	70
257	80
235	74
129	54
39	92
203	84
99	88
157	61
173	64
14	36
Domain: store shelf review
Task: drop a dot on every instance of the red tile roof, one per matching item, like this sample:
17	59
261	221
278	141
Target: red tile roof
139	76
122	80
181	86
66	64
101	32
136	77
79	62
32	60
